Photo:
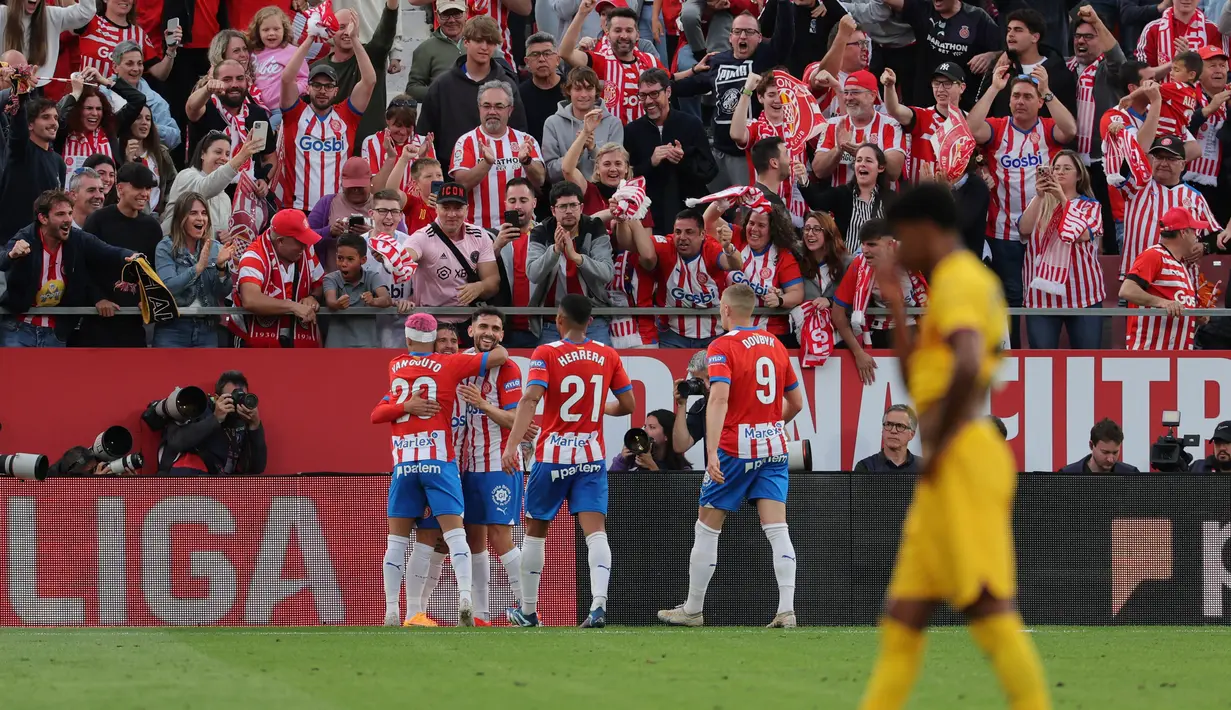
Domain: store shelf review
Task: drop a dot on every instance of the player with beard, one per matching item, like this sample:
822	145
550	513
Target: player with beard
492	495
724	74
622	68
85	188
223	103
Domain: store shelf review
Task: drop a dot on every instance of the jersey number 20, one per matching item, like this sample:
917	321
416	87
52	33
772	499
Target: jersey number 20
403	389
575	389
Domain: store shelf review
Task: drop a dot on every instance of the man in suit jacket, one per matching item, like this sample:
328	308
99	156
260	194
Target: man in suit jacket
669	148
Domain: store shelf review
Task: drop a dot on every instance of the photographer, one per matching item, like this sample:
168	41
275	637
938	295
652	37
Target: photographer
1220	460
659	425
689	427
229	440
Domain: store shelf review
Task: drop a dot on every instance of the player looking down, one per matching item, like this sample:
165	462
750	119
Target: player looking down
423	470
572	377
957	541
750	373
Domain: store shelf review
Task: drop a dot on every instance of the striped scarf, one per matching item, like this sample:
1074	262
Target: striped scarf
815	332
1085	104
1196	33
237	128
1051	264
914	288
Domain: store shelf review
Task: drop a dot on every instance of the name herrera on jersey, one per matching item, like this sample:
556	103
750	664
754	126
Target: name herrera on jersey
417	362
757	339
579	355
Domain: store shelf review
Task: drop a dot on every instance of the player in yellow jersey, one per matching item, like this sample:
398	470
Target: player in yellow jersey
957	541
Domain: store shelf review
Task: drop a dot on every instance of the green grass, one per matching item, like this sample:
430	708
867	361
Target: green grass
628	668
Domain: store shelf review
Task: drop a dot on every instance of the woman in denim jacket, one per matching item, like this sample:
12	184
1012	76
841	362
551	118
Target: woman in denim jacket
194	268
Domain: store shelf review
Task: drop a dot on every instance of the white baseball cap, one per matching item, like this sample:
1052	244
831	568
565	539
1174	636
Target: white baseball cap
443	6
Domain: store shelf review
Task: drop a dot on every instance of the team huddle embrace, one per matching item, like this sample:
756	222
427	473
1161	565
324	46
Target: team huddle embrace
459	422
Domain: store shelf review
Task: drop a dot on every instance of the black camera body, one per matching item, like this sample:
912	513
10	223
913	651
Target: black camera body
691	387
243	398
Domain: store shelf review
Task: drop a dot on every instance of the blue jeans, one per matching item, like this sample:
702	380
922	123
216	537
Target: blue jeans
647	31
1008	258
692	104
19	334
598	331
1085	332
520	339
672	339
1120	236
187	332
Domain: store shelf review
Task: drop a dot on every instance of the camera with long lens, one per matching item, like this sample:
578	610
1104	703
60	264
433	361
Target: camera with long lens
1168	454
637	441
243	398
112	444
691	387
183	404
27	467
126	465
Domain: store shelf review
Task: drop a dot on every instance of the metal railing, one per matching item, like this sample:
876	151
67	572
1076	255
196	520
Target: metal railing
605	311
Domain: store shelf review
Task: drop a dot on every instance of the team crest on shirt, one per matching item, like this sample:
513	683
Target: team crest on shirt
609	93
703	278
487	387
964	32
766	273
335	125
1034	139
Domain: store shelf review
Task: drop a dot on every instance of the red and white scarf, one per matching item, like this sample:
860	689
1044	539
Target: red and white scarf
394	256
1055	243
914	288
814	328
1085	105
631	200
1196	31
740	196
1121	151
237	128
83	145
263	332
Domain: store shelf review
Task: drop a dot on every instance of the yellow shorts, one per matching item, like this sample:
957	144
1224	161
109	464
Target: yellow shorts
958	537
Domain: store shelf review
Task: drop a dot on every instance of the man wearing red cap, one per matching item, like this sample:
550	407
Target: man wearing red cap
861	123
1159	279
1205	171
280	285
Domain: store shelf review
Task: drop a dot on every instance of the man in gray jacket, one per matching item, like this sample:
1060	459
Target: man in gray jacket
439	52
587	268
560	130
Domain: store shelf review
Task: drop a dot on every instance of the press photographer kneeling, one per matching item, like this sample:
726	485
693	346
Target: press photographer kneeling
222	436
689	427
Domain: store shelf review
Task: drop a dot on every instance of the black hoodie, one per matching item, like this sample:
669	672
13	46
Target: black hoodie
1060	81
451	107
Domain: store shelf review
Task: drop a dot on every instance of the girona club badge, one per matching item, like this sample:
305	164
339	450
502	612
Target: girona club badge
802	116
954	145
335	125
479	7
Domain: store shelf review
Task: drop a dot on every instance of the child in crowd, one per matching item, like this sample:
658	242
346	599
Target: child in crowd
1181	96
420	207
269	39
353	285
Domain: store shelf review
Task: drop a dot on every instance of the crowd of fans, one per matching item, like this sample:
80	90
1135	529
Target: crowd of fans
249	152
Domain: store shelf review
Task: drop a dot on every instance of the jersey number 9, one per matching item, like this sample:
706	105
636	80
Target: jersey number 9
424	386
577	387
765	380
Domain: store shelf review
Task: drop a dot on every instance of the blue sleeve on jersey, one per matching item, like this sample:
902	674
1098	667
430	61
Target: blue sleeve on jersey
725	380
510	406
352	107
483	365
791	386
840	302
792	282
622	390
540	383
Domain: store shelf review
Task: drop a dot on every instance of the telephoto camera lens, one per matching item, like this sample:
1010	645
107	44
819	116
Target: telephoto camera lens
690	387
131	463
27	467
637	441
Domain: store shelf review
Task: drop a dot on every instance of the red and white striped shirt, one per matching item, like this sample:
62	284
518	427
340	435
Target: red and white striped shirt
1156	46
79	146
1013	157
1086	117
632	286
576	378
313	148
1084	286
881	130
1204	170
498	12
757	367
50	289
762	128
765	271
922	152
373	151
1160	274
99	38
690	283
487	197
432	376
1144	206
620	82
483	440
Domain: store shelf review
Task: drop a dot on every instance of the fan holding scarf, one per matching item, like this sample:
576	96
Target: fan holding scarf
280	285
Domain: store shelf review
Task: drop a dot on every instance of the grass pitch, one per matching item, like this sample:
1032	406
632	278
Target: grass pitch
1120	668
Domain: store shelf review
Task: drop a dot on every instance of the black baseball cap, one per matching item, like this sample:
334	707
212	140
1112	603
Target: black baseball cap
323	69
1222	432
137	175
950	70
1168	144
452	192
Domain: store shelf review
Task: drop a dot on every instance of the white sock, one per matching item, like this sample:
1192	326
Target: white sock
600	568
394	570
701	564
460	558
436	563
417	578
784	564
480	568
533	553
512	567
